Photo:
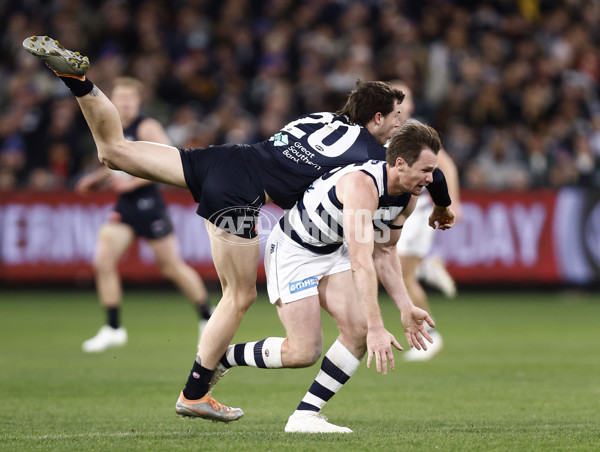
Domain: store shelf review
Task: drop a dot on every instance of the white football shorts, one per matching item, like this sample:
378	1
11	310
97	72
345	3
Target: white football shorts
293	272
417	236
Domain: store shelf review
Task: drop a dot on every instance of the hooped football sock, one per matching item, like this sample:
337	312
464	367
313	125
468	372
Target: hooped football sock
336	369
265	354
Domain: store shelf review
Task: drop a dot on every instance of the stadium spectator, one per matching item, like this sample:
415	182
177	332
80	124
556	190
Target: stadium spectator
527	68
139	212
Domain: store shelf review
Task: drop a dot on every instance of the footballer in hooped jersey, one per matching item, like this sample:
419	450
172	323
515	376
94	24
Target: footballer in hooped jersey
331	246
235	181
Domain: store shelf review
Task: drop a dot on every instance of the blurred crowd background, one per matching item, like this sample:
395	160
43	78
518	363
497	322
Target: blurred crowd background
511	85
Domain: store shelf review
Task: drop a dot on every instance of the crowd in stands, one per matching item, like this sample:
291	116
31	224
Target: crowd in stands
512	86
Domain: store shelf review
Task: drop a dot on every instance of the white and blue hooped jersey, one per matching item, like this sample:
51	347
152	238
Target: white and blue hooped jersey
316	221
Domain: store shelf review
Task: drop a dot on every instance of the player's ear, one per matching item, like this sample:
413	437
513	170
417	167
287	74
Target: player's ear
377	118
400	162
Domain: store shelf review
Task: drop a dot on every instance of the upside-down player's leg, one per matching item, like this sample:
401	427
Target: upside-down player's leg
151	161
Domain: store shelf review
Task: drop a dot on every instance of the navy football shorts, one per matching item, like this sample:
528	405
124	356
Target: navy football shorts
220	182
145	211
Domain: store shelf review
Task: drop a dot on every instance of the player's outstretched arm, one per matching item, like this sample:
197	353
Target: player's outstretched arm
358	194
389	270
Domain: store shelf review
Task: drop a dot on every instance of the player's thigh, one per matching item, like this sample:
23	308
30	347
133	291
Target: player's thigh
302	321
235	258
152	161
337	295
113	240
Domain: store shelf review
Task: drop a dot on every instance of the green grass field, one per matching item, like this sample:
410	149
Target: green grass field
519	371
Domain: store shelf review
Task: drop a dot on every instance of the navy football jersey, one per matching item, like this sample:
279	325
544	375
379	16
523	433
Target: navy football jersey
305	149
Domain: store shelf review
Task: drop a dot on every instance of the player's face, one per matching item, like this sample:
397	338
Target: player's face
128	102
414	178
407	106
390	123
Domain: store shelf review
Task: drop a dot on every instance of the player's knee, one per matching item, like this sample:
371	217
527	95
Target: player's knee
306	356
241	300
360	333
168	269
102	266
111	154
355	335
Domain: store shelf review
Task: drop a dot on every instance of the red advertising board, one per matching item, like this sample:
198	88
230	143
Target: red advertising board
536	237
50	237
502	237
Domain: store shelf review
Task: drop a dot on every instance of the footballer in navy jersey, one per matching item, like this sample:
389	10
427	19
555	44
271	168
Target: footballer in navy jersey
307	148
232	181
281	167
139	212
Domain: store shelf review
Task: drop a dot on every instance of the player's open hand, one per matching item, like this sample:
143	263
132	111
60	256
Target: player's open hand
442	218
415	330
121	184
379	342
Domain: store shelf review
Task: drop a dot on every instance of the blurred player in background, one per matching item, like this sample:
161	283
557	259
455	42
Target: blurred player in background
140	212
417	238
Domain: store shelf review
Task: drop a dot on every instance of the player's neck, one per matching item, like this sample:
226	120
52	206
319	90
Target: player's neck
394	186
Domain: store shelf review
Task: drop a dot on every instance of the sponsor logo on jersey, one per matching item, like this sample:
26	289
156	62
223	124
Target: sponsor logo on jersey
279	139
297	286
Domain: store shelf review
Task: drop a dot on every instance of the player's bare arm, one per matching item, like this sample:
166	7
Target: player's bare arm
93	181
357	192
389	270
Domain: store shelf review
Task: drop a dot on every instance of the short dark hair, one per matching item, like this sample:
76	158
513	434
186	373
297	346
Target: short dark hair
410	140
368	99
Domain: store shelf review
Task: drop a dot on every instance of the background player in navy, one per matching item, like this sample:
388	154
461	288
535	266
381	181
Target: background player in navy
348	219
139	212
231	183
